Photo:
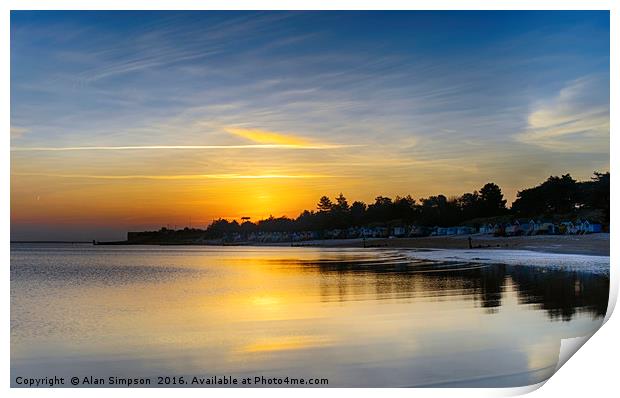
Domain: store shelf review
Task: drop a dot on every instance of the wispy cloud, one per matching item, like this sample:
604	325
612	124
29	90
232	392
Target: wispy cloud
576	120
293	95
175	40
17	132
179	147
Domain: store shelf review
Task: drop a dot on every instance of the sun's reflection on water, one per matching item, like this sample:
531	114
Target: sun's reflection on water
339	312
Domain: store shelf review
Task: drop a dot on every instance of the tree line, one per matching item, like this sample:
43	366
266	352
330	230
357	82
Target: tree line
561	195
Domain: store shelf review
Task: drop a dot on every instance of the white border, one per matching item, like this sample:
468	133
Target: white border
592	372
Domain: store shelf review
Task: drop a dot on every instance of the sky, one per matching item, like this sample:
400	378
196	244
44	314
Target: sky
135	120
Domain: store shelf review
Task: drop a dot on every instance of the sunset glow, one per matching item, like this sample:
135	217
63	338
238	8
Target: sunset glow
177	119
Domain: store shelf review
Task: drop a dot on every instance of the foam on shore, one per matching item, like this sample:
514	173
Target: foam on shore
567	262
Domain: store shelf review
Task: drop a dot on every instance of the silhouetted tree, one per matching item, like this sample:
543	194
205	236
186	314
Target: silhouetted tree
596	194
248	227
279	224
404	208
470	205
438	210
358	212
492	202
557	195
341	203
325	204
381	210
530	202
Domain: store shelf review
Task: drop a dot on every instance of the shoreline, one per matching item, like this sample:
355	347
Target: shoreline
593	264
592	244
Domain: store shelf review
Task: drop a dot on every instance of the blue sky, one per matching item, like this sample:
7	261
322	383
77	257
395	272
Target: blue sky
366	103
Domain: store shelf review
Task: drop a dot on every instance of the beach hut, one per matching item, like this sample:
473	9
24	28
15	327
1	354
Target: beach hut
595	228
489	228
512	229
546	228
532	227
398	232
525	227
440	231
417	230
382	232
464	230
586	227
567	227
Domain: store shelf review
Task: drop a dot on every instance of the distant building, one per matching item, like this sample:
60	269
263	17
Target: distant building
399	232
464	230
586	227
513	229
439	231
546	228
487	229
417	231
568	227
449	231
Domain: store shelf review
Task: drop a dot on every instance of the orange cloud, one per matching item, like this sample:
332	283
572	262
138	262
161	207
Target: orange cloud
268	137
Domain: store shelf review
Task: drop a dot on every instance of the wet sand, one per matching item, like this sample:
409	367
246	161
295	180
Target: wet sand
593	244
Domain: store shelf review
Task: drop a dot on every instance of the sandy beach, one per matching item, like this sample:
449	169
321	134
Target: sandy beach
594	244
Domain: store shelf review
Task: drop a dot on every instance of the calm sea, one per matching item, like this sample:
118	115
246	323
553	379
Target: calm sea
355	317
